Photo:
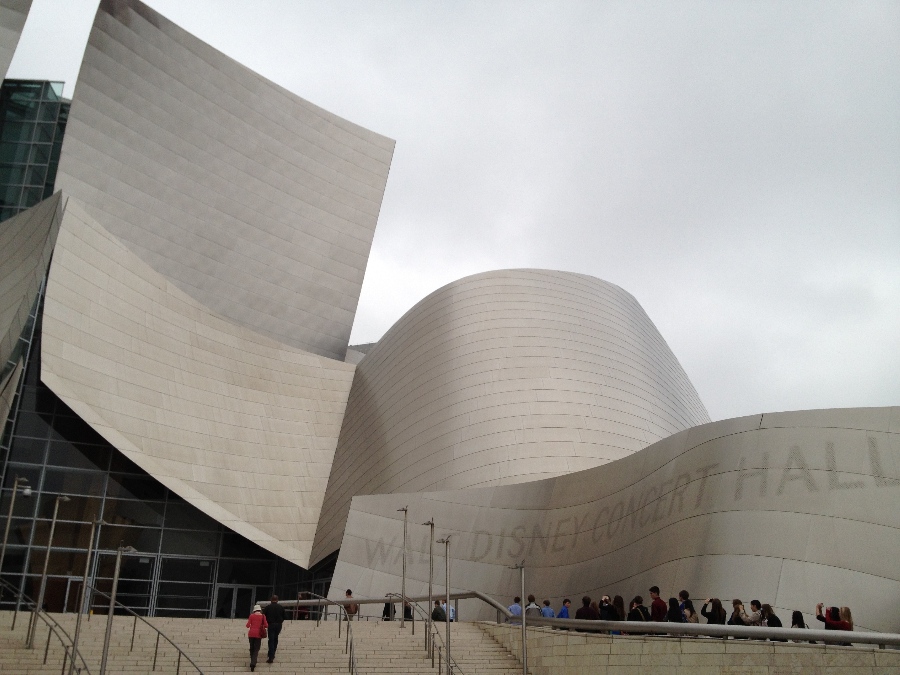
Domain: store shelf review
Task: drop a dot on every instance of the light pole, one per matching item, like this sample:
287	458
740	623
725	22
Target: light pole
430	523
446	542
521	568
84	584
112	605
40	599
405	510
12	502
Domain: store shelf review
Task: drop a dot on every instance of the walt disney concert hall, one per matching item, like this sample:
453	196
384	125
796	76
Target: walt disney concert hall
181	255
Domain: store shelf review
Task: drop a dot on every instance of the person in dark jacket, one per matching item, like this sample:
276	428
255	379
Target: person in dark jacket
274	614
607	611
770	619
586	611
674	612
638	612
438	614
619	603
717	614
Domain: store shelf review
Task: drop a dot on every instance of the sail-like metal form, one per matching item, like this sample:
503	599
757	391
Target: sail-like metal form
505	377
201	296
255	202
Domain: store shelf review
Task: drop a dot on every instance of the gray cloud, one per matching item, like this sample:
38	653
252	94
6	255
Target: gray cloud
735	166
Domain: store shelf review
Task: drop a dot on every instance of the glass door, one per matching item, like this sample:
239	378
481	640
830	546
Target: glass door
234	601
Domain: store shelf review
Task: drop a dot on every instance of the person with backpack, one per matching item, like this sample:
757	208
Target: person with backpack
352	608
532	610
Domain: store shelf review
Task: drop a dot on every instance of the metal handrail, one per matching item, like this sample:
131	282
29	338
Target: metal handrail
349	648
159	633
674	629
415	606
709	630
53	625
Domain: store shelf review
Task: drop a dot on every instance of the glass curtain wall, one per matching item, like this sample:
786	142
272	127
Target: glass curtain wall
33	118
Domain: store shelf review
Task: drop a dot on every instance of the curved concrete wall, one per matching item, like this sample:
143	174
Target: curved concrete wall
254	202
13	14
789	508
242	426
505	377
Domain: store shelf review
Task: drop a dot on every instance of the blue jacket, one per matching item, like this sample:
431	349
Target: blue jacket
547	612
563	613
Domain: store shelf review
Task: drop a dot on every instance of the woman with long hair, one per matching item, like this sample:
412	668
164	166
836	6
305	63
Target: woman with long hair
717	615
770	619
798	622
689	612
674	613
846	616
619	603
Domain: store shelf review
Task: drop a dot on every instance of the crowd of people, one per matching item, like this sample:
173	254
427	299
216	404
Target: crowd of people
679	610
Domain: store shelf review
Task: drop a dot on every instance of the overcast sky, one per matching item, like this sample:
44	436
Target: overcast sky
733	165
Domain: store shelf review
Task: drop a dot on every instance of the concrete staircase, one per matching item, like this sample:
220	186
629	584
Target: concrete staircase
220	646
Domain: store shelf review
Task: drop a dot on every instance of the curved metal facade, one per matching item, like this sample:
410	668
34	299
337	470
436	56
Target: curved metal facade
241	426
202	294
26	245
505	377
251	200
13	14
792	508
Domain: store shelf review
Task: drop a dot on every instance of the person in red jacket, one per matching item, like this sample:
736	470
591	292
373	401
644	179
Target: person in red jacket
658	607
832	619
256	623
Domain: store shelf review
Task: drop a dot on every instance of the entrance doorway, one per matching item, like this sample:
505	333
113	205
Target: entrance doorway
234	601
73	594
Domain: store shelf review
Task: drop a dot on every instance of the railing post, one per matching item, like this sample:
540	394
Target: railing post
65	658
340	621
178	667
47	647
440	660
155	652
133	631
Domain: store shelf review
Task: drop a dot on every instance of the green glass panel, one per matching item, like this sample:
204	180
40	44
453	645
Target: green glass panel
32	195
10	196
36	175
13	174
49	112
44	133
17	131
14	153
40	154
